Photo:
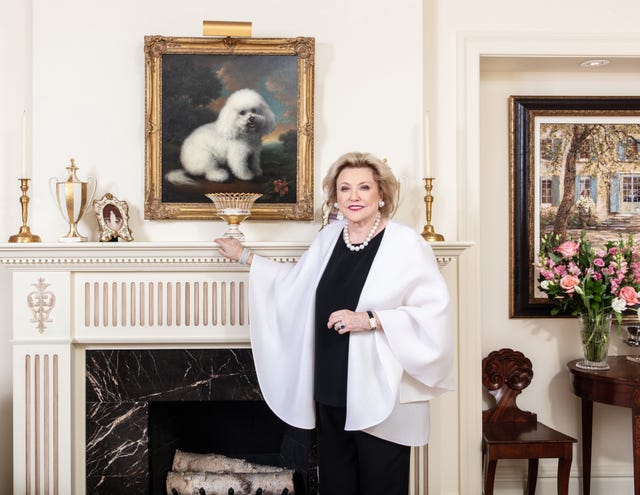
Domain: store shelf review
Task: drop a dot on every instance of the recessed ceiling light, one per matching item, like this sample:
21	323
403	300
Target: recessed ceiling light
595	63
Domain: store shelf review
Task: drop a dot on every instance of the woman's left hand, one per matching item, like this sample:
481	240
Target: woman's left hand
344	321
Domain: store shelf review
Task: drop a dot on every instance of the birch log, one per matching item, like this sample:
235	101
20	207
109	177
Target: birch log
216	463
190	483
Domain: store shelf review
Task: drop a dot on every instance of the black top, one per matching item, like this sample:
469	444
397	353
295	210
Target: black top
339	288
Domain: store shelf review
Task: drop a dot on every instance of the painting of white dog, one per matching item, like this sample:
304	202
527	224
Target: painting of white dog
230	146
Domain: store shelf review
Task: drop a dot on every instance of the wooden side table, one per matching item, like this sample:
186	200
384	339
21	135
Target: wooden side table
618	386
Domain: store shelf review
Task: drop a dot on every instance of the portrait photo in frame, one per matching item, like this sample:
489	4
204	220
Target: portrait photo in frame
574	166
228	115
113	218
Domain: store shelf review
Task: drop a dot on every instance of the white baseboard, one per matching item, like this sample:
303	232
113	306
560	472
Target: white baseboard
612	479
547	486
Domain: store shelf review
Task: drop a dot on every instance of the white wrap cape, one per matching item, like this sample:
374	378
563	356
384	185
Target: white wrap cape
392	374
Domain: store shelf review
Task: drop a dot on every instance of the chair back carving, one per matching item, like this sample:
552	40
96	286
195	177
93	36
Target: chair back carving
505	374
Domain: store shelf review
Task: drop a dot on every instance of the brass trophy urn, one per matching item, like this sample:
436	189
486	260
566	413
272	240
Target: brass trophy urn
72	196
233	208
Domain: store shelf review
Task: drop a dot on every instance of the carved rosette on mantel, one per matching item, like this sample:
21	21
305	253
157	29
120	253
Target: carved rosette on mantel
153	295
41	301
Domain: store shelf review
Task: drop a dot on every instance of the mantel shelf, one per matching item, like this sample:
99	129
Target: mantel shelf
141	255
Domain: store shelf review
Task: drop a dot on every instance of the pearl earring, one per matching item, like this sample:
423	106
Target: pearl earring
339	216
380	204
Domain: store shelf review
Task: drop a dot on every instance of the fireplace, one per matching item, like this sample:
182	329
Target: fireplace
142	405
138	310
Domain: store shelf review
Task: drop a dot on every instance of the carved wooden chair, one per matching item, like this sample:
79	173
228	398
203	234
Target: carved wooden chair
510	433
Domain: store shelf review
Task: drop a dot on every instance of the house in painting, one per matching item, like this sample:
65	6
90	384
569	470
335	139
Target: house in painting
589	176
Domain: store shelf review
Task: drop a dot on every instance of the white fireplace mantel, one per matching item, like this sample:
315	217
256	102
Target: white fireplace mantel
132	256
67	297
137	255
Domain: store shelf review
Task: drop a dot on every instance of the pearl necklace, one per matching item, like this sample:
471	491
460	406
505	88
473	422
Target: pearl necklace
360	247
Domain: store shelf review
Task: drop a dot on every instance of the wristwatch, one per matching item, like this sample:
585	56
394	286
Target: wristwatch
372	321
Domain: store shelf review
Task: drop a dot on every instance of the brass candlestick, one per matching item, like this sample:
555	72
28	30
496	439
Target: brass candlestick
24	235
428	233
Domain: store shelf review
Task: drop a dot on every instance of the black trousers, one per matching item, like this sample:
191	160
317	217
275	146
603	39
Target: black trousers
356	463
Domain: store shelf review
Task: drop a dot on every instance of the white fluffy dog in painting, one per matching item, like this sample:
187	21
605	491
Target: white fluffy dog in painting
231	143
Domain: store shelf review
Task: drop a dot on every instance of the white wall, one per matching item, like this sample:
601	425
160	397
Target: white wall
15	93
89	87
86	99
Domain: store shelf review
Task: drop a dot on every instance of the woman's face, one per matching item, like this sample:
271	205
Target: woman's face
358	194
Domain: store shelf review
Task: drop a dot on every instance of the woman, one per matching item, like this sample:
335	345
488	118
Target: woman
354	338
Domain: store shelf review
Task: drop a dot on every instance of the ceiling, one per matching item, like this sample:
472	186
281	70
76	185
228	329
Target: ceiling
557	64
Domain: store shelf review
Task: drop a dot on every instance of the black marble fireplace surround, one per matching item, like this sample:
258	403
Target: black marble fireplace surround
143	404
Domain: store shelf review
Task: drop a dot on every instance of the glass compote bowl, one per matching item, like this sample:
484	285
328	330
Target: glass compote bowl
233	208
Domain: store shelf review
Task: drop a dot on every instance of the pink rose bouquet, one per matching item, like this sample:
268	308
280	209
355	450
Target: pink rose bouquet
581	280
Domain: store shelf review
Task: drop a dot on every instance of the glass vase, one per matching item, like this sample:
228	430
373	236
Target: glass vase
594	335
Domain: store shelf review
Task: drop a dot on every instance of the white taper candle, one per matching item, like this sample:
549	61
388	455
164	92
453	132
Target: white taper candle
427	158
24	174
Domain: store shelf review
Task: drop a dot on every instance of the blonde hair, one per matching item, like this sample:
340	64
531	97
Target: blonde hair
382	174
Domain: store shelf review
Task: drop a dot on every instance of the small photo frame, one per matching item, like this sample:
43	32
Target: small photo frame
113	218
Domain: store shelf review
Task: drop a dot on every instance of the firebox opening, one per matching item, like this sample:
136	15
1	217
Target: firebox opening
243	429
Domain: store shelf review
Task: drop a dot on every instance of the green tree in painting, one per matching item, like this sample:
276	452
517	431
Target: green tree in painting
188	88
289	142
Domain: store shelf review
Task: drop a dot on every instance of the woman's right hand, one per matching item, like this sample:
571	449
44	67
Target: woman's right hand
229	248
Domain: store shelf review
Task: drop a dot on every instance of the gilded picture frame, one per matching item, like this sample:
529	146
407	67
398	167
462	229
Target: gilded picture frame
188	84
597	191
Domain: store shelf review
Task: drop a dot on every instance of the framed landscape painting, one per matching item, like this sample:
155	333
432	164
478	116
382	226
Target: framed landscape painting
228	115
574	167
